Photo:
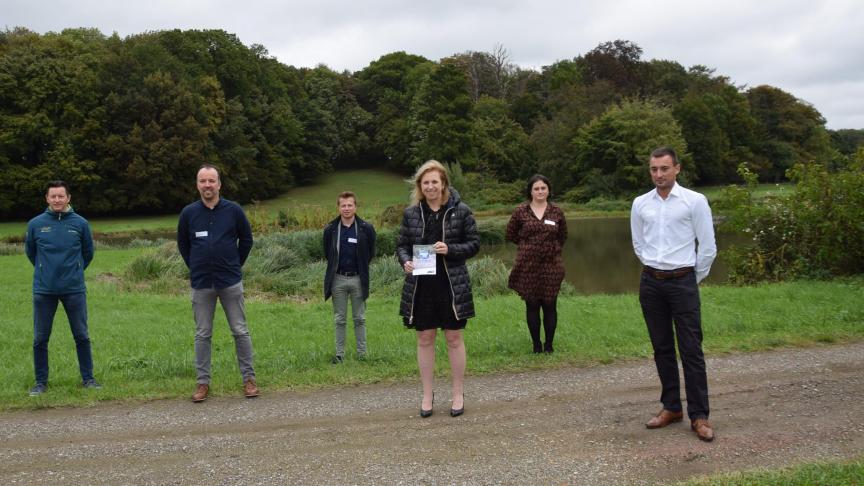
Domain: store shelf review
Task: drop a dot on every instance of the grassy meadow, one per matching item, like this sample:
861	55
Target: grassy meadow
375	189
317	202
143	340
715	193
312	206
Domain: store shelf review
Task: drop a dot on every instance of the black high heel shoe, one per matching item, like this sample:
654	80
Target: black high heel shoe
455	412
427	413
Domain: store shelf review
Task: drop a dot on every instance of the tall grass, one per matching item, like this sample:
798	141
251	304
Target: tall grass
292	264
143	341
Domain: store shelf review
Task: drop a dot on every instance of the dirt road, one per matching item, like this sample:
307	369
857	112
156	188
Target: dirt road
567	426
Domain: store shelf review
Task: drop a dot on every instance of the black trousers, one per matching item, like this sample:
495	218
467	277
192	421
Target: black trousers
672	310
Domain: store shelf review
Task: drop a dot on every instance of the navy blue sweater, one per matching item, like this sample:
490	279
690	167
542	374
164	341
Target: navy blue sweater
214	243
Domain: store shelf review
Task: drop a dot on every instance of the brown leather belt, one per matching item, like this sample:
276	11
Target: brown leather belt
667	274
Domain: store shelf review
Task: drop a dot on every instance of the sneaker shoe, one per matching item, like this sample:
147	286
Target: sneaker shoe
250	388
92	384
337	359
39	389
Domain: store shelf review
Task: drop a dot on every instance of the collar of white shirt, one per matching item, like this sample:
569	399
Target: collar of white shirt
676	191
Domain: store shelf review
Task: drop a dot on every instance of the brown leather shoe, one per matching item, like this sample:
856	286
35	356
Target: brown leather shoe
250	388
664	418
703	429
200	393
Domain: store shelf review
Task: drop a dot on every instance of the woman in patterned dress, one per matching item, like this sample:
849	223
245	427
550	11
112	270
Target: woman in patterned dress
539	229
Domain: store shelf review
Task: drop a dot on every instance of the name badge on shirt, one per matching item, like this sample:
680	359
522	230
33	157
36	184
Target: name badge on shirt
549	221
200	234
352	240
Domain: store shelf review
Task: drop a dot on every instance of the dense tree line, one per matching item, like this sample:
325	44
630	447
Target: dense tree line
127	120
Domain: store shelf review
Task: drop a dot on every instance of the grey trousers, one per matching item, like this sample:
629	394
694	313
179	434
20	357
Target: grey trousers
344	288
204	308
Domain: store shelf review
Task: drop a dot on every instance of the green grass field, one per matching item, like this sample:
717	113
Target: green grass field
714	193
845	473
384	189
374	189
143	343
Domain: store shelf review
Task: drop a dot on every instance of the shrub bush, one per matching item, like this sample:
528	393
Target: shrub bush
162	261
481	191
817	231
488	276
492	231
303	281
385	241
11	249
392	215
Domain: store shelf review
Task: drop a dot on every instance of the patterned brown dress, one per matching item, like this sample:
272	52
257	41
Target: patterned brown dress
539	269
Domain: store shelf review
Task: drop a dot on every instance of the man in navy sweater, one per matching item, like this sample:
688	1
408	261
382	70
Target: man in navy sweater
59	244
214	238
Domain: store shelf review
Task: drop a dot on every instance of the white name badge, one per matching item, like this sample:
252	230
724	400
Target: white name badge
352	240
549	221
200	234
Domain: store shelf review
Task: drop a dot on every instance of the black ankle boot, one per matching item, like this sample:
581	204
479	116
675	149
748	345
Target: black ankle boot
538	348
547	348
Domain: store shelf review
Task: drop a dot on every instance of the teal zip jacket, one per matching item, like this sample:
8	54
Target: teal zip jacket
60	247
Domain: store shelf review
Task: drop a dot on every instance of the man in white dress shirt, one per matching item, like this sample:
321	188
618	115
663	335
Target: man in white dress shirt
673	237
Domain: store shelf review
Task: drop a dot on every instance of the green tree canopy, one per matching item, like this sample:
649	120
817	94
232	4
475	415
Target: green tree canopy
612	151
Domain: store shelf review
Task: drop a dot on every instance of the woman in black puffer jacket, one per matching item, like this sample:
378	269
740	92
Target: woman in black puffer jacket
443	300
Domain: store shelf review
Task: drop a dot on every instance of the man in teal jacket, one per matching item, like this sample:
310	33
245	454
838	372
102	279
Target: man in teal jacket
59	244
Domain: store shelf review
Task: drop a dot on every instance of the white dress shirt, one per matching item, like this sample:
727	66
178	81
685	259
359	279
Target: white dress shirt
665	231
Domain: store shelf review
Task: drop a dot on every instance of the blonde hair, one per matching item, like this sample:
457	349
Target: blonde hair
430	165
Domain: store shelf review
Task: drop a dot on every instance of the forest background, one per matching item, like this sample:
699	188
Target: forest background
126	120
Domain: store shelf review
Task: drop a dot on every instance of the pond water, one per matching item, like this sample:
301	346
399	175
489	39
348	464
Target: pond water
599	258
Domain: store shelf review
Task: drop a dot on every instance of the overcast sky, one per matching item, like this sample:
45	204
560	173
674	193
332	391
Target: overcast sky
813	49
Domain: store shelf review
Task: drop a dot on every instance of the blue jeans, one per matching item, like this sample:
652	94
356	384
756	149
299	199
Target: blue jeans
44	308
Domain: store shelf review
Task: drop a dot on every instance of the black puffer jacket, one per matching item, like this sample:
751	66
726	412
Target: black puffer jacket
463	242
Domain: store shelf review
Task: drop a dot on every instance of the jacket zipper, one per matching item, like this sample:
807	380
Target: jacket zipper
414	292
444	238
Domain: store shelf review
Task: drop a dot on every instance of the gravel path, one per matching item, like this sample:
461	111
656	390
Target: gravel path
566	426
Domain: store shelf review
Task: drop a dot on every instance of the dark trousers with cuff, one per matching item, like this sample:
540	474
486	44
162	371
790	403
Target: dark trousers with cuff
671	308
